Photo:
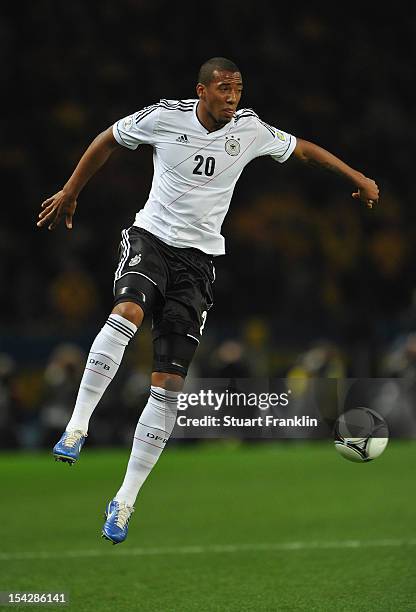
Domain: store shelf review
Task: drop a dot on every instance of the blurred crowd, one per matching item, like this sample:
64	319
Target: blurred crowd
36	405
306	267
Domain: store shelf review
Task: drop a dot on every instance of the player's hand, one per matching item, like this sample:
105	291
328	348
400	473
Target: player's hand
367	192
54	208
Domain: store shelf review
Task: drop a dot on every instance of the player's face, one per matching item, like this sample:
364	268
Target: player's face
222	95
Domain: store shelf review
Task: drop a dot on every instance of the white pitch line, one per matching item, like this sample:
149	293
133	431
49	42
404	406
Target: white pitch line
198	550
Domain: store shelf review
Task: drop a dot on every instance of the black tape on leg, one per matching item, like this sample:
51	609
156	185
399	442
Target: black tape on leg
129	292
145	299
173	354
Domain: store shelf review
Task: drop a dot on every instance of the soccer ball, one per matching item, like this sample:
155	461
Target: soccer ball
361	435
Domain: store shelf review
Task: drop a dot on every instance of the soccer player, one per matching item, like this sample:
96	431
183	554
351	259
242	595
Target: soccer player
200	147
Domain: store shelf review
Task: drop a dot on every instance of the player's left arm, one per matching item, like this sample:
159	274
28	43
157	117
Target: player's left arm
366	189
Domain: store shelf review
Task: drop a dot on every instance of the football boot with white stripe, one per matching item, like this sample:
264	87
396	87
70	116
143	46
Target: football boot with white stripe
117	516
69	446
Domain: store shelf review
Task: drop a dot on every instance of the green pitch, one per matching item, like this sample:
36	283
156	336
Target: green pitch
218	528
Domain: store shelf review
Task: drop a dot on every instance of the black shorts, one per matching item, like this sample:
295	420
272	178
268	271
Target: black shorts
183	279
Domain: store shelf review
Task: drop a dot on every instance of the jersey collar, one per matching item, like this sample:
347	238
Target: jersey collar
204	130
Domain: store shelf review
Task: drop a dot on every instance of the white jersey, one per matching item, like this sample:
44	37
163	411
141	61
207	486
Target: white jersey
195	171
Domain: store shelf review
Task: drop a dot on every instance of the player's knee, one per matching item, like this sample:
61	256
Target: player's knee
135	298
172	355
167	380
130	311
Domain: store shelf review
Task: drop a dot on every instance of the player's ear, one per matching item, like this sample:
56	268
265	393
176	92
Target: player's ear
200	90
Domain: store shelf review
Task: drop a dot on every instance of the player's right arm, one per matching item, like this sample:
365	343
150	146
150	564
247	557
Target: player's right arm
64	202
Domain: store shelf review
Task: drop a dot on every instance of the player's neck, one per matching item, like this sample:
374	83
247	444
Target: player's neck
206	119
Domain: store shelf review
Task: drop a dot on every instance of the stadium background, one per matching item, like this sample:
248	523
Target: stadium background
312	280
313	285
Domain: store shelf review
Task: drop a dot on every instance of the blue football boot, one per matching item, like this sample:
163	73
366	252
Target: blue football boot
116	526
69	446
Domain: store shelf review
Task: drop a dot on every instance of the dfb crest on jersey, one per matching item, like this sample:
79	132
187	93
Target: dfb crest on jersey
135	260
232	146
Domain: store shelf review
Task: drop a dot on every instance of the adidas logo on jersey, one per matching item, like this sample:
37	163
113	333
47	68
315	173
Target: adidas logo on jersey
183	138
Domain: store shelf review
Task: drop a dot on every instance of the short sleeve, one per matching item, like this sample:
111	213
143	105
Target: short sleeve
136	129
274	142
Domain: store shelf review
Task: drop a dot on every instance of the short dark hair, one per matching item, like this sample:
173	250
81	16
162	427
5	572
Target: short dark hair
205	74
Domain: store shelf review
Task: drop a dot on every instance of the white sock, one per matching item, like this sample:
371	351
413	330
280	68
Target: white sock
152	432
102	364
